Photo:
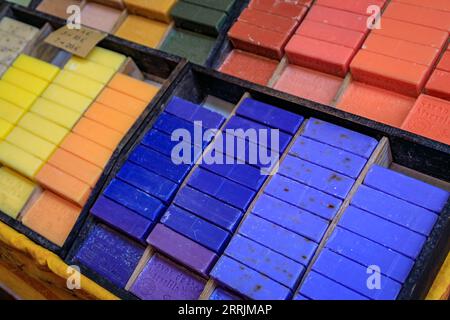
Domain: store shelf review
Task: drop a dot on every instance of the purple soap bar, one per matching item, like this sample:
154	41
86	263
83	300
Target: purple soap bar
195	228
291	217
221	294
340	137
316	176
395	210
270	115
163	280
407	188
121	218
191	112
278	239
318	287
182	249
304	197
382	231
247	281
328	157
359	249
109	254
354	276
262	259
208	208
220	188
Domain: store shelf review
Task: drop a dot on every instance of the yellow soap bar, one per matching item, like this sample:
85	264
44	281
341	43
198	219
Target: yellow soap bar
80	84
18	96
43	128
15	191
106	58
56	113
90	69
31	143
19	160
10	112
5	128
36	67
154	9
17	28
142	30
25	81
67	98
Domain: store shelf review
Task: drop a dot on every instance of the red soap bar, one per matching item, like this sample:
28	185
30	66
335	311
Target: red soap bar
430	118
286	8
309	84
444	64
249	67
339	18
401	49
264	42
389	73
268	21
319	55
443	5
439	84
321	31
356	6
377	104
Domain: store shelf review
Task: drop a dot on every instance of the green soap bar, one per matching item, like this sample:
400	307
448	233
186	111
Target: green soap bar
198	19
24	3
192	46
221	5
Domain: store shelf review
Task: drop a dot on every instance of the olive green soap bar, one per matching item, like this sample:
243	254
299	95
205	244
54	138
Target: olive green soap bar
221	5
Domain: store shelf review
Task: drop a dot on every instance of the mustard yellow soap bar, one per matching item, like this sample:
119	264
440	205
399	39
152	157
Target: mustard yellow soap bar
67	98
18	96
90	69
18	29
154	9
80	84
10	112
19	160
142	30
43	128
36	67
106	58
5	128
55	112
31	143
15	191
25	81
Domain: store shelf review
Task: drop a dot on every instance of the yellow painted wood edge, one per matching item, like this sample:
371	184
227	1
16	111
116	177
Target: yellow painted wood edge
441	286
45	258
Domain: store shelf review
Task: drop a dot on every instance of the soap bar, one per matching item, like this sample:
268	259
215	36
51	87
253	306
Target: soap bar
43	128
268	21
168	123
19	160
10	112
121	218
304	197
362	250
267	262
90	69
55	112
136	29
208	208
439	84
280	240
383	232
407	188
15	191
285	8
122	102
57	8
80	84
3	68
354	276
109	117
136	88
290	217
20	97
109	254
36	67
221	294
86	150
162	280
112	3
221	5
67	98
17	28
30	143
153	9
98	133
100	17
7	53
435	4
25	80
5	128
52	217
358	6
444	63
106	58
182	249
247	281
338	18
134	199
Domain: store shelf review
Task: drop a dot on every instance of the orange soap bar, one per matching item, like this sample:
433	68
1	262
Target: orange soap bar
110	118
98	133
430	117
439	84
339	18
133	87
319	55
377	104
52	217
86	149
75	166
122	102
444	64
356	6
435	4
389	73
63	184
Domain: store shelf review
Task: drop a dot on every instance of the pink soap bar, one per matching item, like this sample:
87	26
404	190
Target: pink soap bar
339	18
268	21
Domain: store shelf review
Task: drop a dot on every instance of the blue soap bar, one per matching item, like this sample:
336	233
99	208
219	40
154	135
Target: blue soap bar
318	287
121	218
290	217
191	112
304	197
223	189
328	157
247	281
393	209
208	208
407	188
262	259
340	137
168	123
357	248
221	294
382	231
300	297
195	228
109	254
354	276
278	239
270	115
147	181
134	199
159	164
316	176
